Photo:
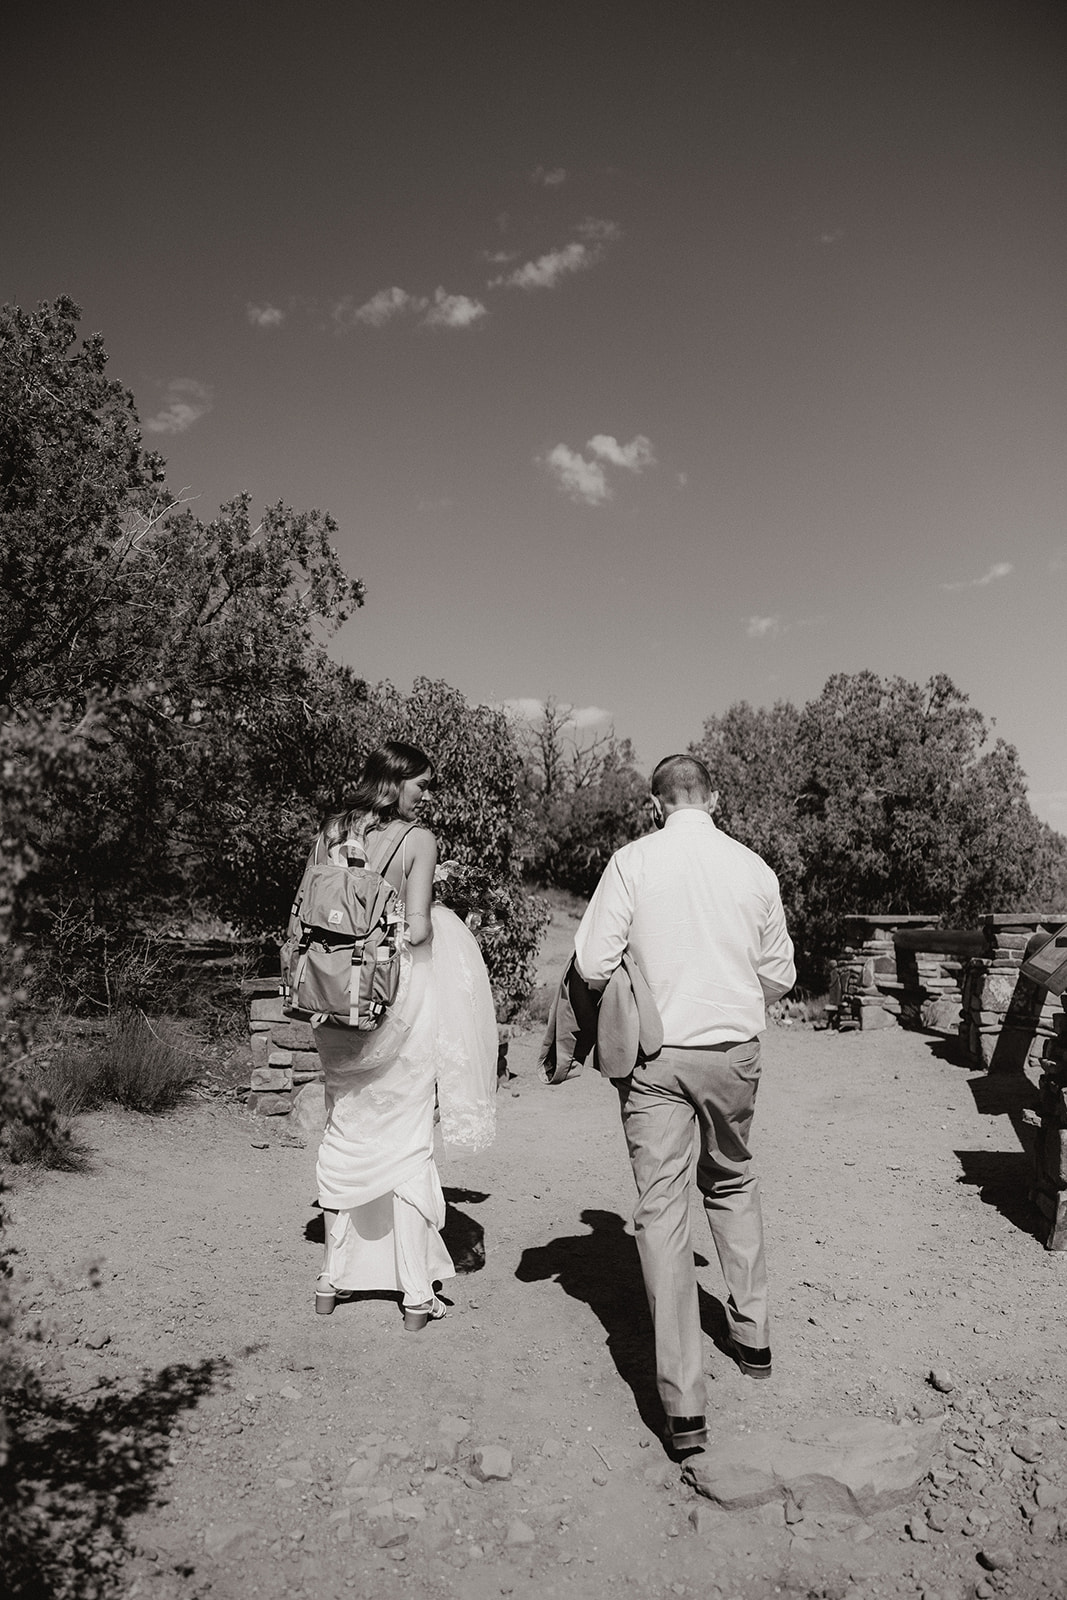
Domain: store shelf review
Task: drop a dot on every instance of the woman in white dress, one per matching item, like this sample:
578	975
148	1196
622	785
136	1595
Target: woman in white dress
378	1183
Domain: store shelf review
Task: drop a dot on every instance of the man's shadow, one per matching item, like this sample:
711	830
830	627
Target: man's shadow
603	1270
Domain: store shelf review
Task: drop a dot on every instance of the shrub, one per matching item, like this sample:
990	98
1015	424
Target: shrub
138	1068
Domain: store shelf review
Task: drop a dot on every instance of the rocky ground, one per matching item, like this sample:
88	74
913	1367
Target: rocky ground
513	1449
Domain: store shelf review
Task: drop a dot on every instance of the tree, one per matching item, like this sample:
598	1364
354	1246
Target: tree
585	795
881	795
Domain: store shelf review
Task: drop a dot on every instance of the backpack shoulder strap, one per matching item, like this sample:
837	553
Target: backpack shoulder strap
382	867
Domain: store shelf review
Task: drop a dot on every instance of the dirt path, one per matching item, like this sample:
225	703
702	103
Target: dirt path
331	1456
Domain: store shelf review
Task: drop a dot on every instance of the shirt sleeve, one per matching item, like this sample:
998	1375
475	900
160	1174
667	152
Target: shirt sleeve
776	971
604	931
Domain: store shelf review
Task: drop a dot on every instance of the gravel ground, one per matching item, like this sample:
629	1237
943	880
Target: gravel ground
512	1449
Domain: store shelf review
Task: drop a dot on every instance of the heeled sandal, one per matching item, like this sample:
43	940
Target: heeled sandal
325	1296
416	1317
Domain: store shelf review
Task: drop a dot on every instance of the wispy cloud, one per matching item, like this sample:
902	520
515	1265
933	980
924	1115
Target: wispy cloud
383	307
578	256
635	456
389	305
584	479
551	177
999	569
184	402
763	627
454	311
266	316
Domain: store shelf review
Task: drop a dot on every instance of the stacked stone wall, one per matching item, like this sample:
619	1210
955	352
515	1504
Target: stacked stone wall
1006	1017
284	1057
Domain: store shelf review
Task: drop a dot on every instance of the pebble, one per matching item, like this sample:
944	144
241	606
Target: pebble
1026	1450
97	1339
919	1529
937	1519
491	1461
942	1380
1049	1494
599	1478
519	1533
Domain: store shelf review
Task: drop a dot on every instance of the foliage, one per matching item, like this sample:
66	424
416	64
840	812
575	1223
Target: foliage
881	794
585	795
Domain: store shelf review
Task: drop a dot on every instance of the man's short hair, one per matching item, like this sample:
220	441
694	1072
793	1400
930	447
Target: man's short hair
681	777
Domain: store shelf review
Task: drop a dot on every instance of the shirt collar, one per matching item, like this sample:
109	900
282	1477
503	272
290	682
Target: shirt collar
689	816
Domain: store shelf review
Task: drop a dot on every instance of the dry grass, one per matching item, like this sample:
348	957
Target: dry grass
127	1061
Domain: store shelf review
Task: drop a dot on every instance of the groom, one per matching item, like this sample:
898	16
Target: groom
702	917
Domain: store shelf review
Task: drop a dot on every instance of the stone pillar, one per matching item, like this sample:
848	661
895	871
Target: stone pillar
283	1052
1006	1017
868	990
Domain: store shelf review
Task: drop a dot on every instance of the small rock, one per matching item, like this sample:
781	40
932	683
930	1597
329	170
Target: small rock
1026	1450
942	1380
387	1536
1045	1524
599	1478
1048	1495
409	1508
997	1559
97	1339
919	1529
705	1519
221	1537
937	1519
491	1461
555	1447
519	1533
288	1392
360	1472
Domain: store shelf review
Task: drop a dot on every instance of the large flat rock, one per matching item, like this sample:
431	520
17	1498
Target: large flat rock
852	1465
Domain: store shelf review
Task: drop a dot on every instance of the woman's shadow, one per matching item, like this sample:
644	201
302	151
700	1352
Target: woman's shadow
602	1269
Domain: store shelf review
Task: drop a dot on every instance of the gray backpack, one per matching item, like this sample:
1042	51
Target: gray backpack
341	956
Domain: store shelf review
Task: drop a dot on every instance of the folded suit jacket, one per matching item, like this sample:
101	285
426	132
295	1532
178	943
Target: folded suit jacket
622	1025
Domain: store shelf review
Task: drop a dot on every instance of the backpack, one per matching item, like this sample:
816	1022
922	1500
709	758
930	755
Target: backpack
341	958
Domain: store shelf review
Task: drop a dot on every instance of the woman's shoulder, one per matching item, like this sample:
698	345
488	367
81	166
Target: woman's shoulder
420	838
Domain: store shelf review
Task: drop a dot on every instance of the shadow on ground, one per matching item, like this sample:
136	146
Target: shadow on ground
602	1269
77	1468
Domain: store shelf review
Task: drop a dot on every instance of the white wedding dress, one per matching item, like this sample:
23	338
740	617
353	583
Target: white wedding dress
376	1170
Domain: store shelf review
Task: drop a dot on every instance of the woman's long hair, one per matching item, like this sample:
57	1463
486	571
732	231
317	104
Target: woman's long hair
374	801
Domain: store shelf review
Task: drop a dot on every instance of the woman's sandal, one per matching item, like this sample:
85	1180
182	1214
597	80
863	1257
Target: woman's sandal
416	1317
325	1296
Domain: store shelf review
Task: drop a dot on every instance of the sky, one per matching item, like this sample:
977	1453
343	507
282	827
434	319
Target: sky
650	357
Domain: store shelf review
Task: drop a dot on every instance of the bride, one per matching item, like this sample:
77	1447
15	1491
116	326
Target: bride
378	1184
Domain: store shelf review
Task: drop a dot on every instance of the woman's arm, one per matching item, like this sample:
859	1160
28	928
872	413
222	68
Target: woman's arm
421	852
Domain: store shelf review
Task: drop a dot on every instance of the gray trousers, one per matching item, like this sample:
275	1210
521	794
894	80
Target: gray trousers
712	1092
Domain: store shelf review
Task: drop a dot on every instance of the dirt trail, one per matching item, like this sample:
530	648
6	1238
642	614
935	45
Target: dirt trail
332	1456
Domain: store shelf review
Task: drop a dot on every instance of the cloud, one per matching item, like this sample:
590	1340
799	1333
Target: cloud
381	308
635	456
443	311
266	316
582	480
585	480
999	569
454	311
551	178
763	627
184	402
528	709
577	256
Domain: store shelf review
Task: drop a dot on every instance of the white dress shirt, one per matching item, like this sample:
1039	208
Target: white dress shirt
702	915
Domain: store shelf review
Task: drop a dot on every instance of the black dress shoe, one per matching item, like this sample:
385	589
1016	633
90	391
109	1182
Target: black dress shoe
754	1363
686	1433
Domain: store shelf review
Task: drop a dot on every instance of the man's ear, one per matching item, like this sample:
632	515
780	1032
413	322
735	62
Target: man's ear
657	811
713	802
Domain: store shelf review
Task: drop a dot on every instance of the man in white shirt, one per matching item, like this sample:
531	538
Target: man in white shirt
702	917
